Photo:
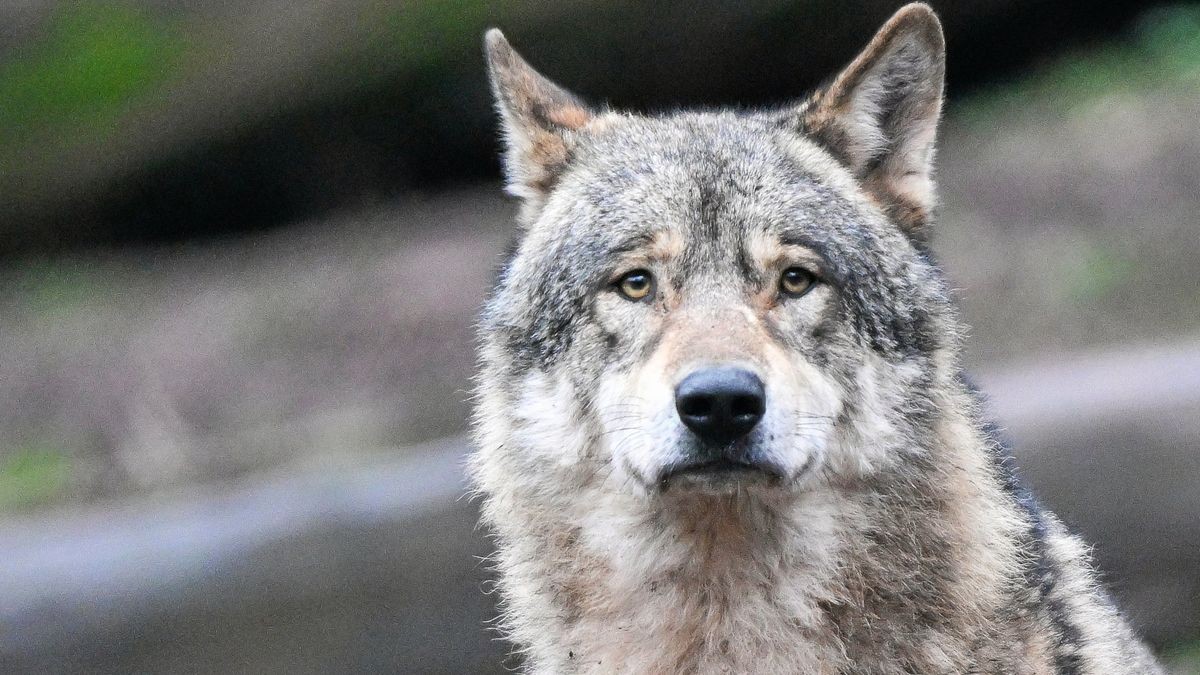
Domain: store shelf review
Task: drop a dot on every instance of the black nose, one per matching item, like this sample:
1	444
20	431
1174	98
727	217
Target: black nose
721	404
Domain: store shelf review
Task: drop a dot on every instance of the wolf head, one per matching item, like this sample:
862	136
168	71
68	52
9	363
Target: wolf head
713	303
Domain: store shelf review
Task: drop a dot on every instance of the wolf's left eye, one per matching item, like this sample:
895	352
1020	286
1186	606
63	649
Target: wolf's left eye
796	281
636	285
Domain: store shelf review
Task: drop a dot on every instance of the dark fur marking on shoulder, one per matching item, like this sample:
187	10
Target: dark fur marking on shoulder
1042	574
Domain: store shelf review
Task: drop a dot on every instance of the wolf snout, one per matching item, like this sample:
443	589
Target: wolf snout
721	404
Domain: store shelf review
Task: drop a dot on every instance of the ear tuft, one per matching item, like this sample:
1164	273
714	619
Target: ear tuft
879	116
541	120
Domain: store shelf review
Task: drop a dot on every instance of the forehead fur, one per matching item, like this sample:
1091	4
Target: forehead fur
671	160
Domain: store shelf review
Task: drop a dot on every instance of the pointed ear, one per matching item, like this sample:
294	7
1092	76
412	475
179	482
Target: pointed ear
879	117
540	119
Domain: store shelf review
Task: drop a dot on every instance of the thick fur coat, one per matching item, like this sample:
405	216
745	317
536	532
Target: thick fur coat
869	521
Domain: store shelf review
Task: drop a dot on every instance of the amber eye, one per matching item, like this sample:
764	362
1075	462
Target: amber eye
796	281
636	285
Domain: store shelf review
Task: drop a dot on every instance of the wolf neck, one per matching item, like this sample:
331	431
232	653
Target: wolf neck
741	584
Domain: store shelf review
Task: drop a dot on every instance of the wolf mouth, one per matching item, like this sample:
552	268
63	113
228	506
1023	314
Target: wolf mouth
720	471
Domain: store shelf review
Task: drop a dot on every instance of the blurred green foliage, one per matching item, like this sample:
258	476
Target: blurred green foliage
1163	49
95	61
32	475
1184	659
46	288
1096	272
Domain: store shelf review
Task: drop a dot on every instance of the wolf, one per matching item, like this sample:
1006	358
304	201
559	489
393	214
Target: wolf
721	419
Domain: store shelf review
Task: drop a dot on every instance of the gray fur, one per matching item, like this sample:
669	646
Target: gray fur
896	540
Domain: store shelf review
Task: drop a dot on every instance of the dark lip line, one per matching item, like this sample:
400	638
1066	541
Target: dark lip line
729	466
717	466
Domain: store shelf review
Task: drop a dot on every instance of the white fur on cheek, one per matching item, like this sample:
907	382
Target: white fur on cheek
547	426
637	419
802	404
871	439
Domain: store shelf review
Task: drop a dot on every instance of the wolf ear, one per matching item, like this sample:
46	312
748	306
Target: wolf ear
880	114
541	120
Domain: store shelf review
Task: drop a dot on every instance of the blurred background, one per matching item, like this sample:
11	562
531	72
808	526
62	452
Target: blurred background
242	246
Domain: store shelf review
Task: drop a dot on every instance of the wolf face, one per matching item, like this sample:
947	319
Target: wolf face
718	302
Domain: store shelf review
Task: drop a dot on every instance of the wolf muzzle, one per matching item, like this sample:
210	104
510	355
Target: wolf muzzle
720	406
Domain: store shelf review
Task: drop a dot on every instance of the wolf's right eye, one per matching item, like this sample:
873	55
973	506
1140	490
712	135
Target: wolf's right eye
796	281
636	285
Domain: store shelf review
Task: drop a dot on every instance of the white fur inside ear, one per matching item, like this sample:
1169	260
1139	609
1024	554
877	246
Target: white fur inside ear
894	108
881	113
918	187
864	131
